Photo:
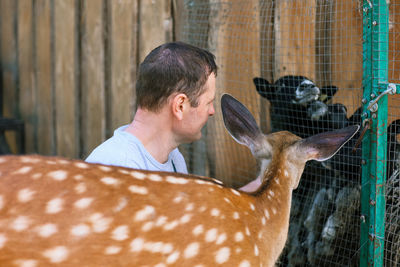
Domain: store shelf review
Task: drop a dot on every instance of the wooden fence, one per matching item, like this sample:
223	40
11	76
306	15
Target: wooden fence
69	66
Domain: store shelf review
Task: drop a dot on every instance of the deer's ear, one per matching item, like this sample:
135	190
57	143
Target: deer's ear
239	122
323	146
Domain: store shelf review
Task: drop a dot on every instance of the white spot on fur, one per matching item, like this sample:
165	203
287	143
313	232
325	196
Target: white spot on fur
273	210
147	226
27	159
26	263
266	213
202	209
99	222
78	177
185	218
80	230
286	173
138	175
54	206
122	203
244	263
112	250
173	257
247	231
189	207
37	176
3	240
217	181
177	199
23	170
171	225
221	239
199	229
263	221
137	244
235	191
198	181
81	165
191	250
215	212
138	189
83	203
236	215
161	221
63	161
120	233
59	175
271	193
176	180
239	237
57	254
155	177
123	171
144	213
105	168
25	195
256	252
80	188
211	235
1	202
252	207
21	223
46	230
222	255
109	181
227	200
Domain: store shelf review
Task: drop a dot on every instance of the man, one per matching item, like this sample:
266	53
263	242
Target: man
175	91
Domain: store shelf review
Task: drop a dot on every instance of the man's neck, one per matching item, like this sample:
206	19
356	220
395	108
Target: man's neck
153	131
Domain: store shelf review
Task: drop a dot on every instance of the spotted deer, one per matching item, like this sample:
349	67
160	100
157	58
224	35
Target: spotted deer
60	212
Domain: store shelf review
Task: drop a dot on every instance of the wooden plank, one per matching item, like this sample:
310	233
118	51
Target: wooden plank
234	38
155	25
8	57
267	48
66	103
122	57
42	78
346	53
295	38
27	97
92	77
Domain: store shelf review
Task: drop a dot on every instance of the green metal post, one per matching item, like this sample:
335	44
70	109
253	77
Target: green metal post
375	72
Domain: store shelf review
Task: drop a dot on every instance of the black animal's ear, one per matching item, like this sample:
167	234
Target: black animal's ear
325	145
264	88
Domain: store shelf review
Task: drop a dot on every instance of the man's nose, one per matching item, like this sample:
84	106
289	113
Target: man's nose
212	110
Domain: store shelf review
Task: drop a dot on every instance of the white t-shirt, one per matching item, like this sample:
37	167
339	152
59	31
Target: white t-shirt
124	149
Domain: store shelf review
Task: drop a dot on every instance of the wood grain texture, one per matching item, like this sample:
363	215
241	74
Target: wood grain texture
66	94
122	31
27	97
93	108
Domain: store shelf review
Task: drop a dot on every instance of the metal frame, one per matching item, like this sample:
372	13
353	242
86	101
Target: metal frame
375	103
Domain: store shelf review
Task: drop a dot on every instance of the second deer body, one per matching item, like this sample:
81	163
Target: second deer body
70	213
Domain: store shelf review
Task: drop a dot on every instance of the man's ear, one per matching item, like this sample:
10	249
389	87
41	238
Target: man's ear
178	104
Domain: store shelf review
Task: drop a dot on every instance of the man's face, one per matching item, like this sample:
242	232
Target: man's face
196	117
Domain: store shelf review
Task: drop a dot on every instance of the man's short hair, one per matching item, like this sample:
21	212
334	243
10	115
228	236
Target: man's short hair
174	67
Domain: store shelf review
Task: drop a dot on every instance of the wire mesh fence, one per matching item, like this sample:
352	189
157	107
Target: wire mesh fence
298	66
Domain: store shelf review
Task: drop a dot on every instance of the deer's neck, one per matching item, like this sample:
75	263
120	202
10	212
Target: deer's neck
274	201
